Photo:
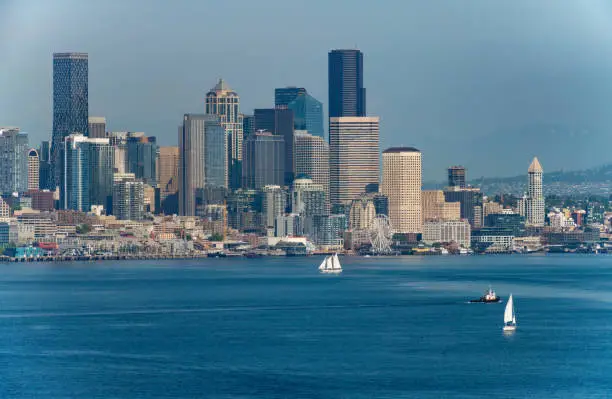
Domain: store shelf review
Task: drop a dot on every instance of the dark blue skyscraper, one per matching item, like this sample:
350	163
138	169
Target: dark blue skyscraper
264	160
347	96
142	154
70	104
284	95
307	114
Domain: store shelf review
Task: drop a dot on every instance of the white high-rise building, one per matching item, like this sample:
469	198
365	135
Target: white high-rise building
534	208
273	204
311	156
401	183
222	101
353	156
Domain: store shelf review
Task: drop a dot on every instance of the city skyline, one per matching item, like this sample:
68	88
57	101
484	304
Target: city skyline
470	109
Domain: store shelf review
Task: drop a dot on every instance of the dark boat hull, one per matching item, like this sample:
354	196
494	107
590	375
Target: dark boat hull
482	300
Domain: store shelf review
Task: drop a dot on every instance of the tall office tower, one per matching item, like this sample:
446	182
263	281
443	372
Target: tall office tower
128	197
353	157
222	101
97	127
167	171
436	208
273	203
101	164
45	166
308	198
470	200
456	176
362	213
70	104
279	122
307	110
535	197
142	153
202	160
284	95
264	161
401	183
248	126
119	142
13	160
311	155
347	96
33	170
74	188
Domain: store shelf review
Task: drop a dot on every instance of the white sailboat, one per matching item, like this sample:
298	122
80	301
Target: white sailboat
509	316
331	264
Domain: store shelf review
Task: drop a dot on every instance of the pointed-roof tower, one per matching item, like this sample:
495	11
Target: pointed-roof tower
535	166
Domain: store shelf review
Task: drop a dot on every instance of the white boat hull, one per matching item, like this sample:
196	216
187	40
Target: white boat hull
331	271
509	328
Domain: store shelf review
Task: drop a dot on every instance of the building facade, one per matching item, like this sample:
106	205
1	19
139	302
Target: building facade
447	232
435	206
101	163
353	157
70	104
33	170
264	161
97	127
222	101
279	122
311	155
401	183
456	176
535	206
142	153
167	171
74	190
14	150
128	197
362	213
347	96
307	114
273	203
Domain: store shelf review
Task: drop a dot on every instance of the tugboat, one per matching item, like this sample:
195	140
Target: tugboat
489	297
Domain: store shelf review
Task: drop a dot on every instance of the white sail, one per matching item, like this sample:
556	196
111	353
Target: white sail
509	312
328	263
336	263
322	265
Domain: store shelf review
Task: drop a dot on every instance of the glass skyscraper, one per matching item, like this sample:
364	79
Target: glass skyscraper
70	103
284	95
307	114
264	161
347	96
279	121
142	153
74	190
14	150
101	164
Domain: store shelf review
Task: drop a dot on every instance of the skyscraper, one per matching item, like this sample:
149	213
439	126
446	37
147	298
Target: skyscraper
101	163
222	101
284	95
307	114
311	155
456	176
273	204
142	153
202	159
128	197
353	157
535	197
248	126
167	171
45	178
347	96
74	190
264	161
14	150
97	127
70	104
33	170
401	183
279	122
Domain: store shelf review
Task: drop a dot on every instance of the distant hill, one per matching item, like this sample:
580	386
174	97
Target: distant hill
593	181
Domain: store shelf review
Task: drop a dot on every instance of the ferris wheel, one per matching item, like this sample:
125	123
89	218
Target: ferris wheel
380	234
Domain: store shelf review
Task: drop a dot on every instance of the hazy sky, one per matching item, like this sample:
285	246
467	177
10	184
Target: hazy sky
487	84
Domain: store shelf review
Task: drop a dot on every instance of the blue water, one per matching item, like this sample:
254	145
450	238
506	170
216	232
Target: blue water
276	328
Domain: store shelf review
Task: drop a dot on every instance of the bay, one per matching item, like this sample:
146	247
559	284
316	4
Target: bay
276	328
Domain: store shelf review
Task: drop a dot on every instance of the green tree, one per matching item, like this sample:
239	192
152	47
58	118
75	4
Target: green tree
216	237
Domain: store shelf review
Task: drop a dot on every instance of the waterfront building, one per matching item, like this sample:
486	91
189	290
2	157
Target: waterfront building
33	170
128	197
74	188
329	230
308	197
97	127
535	197
401	183
14	150
435	206
279	122
492	240
513	222
288	225
456	177
202	159
264	161
311	155
101	163
353	157
447	231
142	153
4	233
45	226
347	96
70	105
167	171
273	204
222	101
362	213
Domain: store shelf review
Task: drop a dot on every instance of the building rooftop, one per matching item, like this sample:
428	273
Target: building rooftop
400	149
535	166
